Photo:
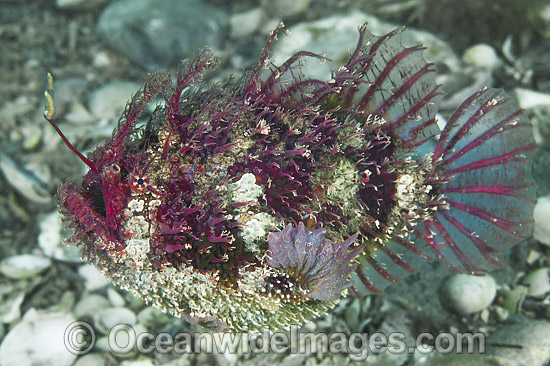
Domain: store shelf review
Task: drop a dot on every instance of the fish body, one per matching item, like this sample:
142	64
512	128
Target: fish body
256	204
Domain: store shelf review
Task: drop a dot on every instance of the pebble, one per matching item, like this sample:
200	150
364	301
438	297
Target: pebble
542	220
107	102
91	359
284	9
482	56
513	300
79	4
32	136
10	309
528	99
245	23
538	282
23	181
138	362
24	266
37	340
93	279
13	109
467	294
78	114
115	298
152	317
50	239
89	305
153	35
106	319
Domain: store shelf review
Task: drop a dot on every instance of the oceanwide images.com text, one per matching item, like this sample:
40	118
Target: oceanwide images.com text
80	338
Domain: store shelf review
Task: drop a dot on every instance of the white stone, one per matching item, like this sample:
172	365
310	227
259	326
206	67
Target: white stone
468	294
107	102
138	362
482	56
10	308
23	181
245	23
284	8
538	282
115	298
542	220
151	317
79	4
106	319
530	99
38	340
93	279
89	305
24	266
336	36
78	114
51	241
91	359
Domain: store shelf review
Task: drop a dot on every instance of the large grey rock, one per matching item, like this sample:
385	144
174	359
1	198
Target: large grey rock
522	344
161	33
336	37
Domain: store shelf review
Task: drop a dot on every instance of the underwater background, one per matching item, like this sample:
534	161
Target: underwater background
100	52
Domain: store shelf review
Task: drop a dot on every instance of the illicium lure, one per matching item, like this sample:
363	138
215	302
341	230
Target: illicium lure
256	204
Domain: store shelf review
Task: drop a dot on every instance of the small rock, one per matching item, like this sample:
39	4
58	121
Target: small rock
245	23
32	136
94	280
482	56
542	220
89	305
23	181
152	317
513	300
10	306
78	114
115	298
284	9
24	266
37	340
530	99
50	239
13	109
91	359
138	362
79	4
501	313
468	294
106	319
538	282
107	102
153	35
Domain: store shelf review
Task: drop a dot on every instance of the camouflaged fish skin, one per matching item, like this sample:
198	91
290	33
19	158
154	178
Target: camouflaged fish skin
256	204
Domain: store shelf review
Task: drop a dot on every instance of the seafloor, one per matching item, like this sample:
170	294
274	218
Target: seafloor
100	51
